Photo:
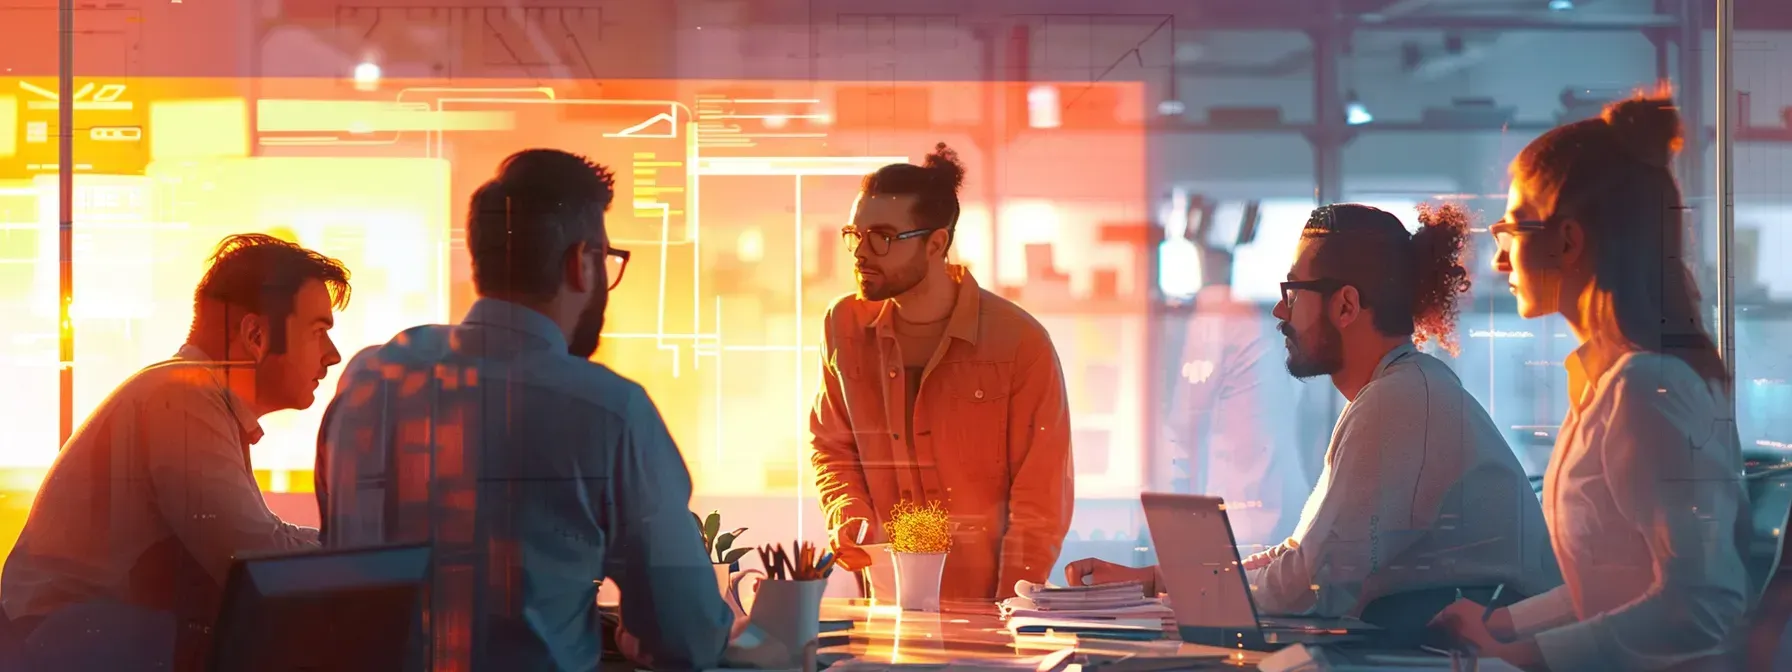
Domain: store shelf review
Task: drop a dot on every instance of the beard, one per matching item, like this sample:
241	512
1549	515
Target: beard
1322	354
588	331
886	282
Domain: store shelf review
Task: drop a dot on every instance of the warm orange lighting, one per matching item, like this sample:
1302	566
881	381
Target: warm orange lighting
728	193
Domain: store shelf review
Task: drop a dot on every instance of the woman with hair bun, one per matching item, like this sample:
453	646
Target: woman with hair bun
1646	508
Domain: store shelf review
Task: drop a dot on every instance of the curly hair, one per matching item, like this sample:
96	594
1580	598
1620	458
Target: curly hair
1439	248
1411	282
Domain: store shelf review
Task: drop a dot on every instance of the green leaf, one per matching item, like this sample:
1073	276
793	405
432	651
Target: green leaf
706	539
734	556
712	525
725	541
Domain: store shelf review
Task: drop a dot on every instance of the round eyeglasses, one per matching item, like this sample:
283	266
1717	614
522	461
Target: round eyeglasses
1504	230
879	241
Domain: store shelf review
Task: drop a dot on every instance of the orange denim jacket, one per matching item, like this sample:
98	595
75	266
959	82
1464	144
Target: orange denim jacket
991	443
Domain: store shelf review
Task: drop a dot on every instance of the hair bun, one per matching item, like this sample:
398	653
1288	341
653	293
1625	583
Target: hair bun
1648	126
943	161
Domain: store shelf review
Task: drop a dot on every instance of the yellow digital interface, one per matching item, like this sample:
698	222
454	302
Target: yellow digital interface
730	195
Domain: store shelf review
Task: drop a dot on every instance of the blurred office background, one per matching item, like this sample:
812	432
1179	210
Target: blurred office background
1138	175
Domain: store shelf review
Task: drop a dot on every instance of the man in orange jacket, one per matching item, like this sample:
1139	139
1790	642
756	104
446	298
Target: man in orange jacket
935	390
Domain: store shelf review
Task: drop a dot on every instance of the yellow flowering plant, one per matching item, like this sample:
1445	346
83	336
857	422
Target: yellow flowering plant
914	528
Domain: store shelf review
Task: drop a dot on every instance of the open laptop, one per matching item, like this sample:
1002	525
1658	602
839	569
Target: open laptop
1198	559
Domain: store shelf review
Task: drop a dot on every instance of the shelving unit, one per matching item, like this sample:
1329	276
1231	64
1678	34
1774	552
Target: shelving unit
1329	30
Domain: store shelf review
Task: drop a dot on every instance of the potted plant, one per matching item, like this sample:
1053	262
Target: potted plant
920	537
719	546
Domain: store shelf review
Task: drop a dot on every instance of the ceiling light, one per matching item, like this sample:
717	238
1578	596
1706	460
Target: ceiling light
367	76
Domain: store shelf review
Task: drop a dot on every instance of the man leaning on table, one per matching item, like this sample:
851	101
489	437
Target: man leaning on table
935	390
132	533
533	472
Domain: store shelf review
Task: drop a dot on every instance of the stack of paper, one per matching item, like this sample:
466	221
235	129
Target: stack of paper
1122	608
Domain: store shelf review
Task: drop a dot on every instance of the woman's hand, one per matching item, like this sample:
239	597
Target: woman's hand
1462	620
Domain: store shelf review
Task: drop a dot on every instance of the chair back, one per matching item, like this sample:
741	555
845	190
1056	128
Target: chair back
1770	505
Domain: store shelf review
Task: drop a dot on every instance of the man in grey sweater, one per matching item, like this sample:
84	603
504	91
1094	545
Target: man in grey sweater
1419	495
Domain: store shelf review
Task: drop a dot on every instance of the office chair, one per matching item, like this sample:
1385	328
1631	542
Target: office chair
1770	504
344	610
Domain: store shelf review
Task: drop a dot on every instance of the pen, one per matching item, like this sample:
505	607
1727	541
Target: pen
1488	612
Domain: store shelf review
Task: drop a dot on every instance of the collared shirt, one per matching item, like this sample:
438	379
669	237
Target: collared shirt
991	438
1419	491
1646	510
534	474
149	500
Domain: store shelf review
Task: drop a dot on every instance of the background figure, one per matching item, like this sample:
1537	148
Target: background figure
1229	424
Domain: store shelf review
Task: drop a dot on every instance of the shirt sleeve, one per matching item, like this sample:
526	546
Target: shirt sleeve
194	451
1674	473
1042	493
669	597
839	475
1542	611
1363	514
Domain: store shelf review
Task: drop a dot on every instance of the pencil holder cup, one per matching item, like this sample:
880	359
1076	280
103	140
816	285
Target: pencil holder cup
786	620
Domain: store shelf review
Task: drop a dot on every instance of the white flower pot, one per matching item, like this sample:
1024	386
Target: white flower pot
918	580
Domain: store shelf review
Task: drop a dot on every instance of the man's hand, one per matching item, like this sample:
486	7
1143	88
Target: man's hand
1258	560
630	648
1095	572
846	540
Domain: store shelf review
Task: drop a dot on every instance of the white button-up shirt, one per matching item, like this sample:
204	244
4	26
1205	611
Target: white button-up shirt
1419	491
1646	508
149	500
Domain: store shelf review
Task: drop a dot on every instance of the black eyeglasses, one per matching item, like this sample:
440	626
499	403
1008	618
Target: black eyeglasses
880	241
1321	285
1504	230
615	262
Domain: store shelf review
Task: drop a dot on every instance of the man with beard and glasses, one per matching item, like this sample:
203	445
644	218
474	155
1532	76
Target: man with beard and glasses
533	472
1420	497
936	391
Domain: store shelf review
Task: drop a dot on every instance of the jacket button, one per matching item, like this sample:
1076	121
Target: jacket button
892	373
978	394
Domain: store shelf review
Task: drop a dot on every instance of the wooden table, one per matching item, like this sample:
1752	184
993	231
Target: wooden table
965	631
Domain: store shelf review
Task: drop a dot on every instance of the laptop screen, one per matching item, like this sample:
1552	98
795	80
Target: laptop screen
1199	562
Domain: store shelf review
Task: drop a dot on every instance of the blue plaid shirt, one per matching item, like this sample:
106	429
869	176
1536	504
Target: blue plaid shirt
534	474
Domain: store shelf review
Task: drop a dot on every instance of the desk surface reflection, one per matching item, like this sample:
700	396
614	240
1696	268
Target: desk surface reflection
969	631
